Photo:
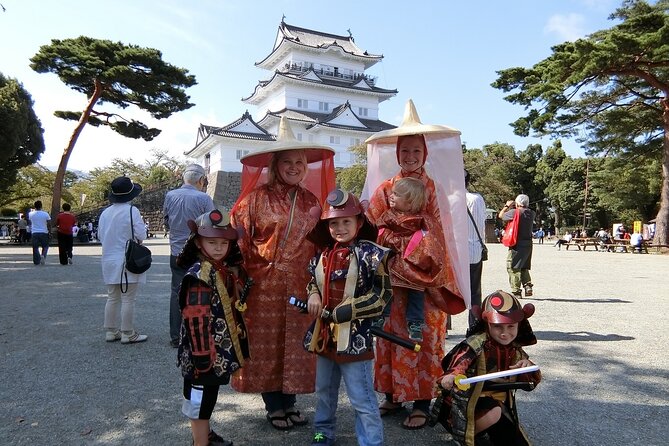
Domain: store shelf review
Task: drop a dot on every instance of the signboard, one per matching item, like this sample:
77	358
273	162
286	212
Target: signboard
637	226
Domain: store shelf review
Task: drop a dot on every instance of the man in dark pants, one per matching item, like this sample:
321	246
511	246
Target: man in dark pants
476	207
64	222
183	204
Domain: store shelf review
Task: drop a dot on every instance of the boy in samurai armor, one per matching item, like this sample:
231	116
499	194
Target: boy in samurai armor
350	287
212	344
485	413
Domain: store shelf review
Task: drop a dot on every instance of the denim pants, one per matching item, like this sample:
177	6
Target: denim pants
40	240
360	389
178	274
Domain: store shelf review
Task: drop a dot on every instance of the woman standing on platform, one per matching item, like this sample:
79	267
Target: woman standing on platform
280	186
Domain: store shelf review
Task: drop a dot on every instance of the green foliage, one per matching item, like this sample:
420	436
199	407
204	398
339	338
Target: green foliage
352	178
33	182
609	89
123	75
113	73
21	141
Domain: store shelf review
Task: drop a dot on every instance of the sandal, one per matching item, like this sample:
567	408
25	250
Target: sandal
295	417
273	419
415	414
390	409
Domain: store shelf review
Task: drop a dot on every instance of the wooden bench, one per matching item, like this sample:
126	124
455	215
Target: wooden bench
583	243
649	244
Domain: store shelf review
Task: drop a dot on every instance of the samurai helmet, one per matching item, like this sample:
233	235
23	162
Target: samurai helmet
341	204
501	307
213	224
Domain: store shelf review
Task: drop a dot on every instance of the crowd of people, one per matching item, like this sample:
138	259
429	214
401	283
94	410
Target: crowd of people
393	264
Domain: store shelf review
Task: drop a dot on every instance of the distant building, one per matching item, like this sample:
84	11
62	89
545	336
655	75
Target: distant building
318	82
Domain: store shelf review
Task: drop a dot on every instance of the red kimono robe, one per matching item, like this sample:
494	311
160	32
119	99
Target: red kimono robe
276	256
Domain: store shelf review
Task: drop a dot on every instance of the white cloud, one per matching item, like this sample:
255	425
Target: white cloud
567	27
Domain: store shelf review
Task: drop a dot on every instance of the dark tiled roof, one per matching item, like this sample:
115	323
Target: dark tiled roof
318	39
314	118
323	81
206	130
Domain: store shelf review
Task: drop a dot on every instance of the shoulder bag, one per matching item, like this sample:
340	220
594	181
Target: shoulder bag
511	231
484	248
137	256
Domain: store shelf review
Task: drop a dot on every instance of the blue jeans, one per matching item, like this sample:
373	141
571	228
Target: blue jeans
415	306
415	311
40	240
360	389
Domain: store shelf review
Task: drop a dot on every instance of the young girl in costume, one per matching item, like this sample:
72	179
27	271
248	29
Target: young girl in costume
415	236
348	290
493	344
212	344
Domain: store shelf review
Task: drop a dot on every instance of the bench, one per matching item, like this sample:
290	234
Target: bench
583	243
649	244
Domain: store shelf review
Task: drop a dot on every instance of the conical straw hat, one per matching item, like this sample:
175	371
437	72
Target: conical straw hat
411	125
286	140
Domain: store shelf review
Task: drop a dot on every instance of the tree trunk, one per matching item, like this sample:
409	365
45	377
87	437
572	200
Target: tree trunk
662	218
62	167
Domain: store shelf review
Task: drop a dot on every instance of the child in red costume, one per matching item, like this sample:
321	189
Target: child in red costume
415	237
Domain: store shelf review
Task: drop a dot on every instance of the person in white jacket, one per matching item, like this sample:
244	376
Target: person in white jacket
114	230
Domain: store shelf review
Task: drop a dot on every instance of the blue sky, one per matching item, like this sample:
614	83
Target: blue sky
443	54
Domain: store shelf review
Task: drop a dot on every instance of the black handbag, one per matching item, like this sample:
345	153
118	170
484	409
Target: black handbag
484	248
137	257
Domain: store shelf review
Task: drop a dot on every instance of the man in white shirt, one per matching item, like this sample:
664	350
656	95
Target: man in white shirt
40	222
476	207
636	242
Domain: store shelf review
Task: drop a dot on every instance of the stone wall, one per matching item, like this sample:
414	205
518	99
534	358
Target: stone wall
224	187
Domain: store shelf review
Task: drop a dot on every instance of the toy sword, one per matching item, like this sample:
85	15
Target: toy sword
241	302
462	382
376	331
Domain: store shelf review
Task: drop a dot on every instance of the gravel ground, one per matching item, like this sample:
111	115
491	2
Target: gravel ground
601	322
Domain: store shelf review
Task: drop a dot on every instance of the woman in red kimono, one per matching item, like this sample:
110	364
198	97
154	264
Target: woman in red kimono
272	216
402	375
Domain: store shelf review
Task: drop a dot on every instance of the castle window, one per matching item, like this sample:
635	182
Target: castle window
323	106
241	153
363	111
302	103
334	140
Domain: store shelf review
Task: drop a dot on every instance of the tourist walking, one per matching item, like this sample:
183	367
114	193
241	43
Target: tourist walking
40	222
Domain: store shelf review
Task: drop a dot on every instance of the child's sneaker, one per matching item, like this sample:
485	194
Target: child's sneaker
379	322
517	294
320	438
528	289
415	329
